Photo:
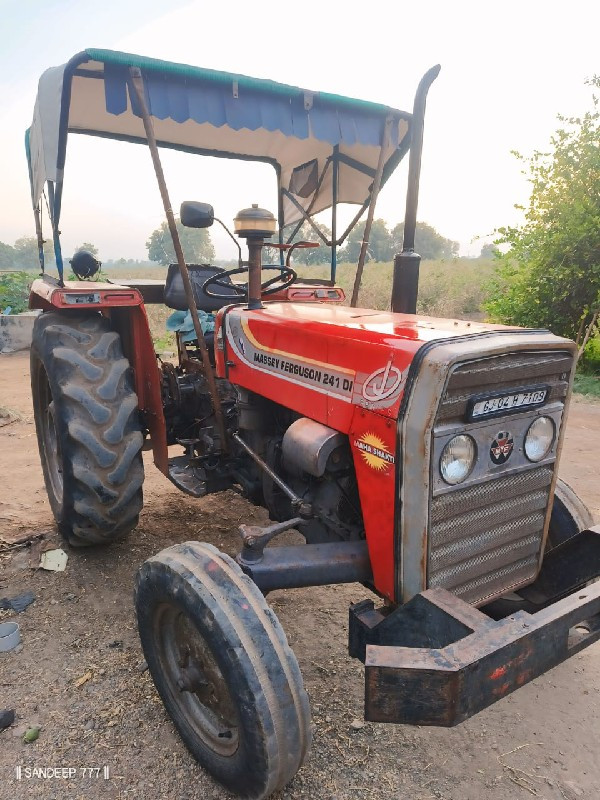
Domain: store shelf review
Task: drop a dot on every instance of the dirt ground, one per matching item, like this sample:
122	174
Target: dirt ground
541	741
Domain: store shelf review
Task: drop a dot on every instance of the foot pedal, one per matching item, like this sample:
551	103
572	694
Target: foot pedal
185	478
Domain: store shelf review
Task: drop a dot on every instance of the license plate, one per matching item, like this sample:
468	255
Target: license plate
505	403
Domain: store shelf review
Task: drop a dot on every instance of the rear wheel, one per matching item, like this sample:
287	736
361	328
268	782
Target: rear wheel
223	668
88	427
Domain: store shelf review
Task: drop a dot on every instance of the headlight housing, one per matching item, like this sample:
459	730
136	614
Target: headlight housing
539	438
458	459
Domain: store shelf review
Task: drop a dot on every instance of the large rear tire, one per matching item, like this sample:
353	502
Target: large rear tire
223	668
88	427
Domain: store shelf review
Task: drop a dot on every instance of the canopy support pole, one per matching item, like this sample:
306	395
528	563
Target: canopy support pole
54	203
39	236
374	194
334	199
138	85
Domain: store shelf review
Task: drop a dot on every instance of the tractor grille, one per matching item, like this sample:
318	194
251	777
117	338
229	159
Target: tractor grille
504	372
485	539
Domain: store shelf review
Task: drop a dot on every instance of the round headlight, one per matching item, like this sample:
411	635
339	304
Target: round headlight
458	459
539	438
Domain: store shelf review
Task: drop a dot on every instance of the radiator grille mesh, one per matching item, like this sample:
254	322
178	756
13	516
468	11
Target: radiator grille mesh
486	539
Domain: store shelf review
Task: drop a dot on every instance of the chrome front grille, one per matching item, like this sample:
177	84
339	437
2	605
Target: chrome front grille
485	539
504	372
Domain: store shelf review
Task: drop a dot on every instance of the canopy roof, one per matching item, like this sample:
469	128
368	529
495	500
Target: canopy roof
305	135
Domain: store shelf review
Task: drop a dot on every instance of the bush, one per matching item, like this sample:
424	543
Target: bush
550	276
589	363
454	288
14	291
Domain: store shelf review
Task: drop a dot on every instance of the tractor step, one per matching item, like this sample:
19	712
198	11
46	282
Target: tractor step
184	476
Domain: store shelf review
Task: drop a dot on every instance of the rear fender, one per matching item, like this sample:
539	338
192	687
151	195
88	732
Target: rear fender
125	308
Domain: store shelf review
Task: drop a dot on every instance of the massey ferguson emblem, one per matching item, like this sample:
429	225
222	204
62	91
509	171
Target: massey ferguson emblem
502	447
381	387
382	383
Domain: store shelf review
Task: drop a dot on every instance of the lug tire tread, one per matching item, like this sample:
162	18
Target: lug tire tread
251	629
97	421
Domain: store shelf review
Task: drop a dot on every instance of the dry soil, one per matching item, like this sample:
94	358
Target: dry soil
540	742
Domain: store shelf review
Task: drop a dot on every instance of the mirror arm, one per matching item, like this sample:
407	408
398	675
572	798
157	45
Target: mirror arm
233	239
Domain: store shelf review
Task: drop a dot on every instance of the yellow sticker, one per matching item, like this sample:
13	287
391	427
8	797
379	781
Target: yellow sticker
374	451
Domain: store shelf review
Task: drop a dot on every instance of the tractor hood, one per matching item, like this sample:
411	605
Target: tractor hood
367	324
324	360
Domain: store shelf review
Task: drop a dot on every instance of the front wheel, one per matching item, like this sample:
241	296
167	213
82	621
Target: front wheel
569	516
223	668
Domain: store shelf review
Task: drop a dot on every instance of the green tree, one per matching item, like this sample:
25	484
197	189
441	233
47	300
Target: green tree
429	244
195	242
91	248
489	251
550	277
7	256
311	255
26	253
380	247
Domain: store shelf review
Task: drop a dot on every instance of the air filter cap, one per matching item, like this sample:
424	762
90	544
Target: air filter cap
254	222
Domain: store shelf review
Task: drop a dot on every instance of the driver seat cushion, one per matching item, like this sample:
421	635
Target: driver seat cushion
199	274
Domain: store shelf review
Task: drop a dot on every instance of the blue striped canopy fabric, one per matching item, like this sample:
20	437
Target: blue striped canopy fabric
216	113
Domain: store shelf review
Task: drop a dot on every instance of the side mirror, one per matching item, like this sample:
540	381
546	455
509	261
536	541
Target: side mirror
196	215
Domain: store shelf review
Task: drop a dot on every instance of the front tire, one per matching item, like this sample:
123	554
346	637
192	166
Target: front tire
88	427
223	668
569	516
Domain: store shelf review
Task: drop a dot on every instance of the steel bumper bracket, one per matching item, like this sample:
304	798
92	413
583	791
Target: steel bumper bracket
446	685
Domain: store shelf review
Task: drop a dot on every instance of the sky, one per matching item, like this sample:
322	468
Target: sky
508	69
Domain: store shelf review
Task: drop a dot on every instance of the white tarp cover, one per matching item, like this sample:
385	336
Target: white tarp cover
218	113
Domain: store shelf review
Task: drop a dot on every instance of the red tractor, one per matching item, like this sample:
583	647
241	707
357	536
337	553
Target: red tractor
417	456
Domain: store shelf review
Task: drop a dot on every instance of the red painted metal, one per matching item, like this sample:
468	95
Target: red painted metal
147	384
344	367
47	295
125	307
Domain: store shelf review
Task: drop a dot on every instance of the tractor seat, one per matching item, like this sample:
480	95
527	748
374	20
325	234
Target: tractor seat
199	274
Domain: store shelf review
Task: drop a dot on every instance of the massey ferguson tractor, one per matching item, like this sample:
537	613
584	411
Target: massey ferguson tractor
416	456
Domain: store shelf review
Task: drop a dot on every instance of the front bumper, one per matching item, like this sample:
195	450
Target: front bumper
438	660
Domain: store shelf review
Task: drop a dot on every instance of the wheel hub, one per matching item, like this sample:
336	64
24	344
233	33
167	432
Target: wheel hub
197	684
51	442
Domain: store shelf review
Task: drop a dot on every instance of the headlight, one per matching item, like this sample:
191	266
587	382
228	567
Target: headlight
458	459
539	438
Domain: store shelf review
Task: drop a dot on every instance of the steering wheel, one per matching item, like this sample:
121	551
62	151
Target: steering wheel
285	278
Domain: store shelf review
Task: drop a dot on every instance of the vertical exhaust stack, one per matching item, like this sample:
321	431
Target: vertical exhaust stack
405	287
255	225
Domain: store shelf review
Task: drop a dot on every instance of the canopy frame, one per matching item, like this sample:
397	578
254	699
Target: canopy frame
377	116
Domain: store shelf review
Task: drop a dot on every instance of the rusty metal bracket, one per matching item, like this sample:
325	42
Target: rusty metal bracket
445	683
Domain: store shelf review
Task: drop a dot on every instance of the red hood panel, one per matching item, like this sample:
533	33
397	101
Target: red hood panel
370	325
324	360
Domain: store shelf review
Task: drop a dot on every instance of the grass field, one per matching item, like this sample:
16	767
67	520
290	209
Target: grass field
455	288
588	386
